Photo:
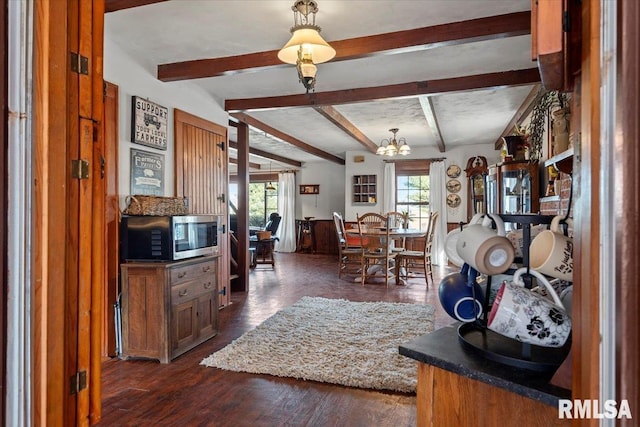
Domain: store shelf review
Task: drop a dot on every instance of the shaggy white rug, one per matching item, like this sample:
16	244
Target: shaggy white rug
334	341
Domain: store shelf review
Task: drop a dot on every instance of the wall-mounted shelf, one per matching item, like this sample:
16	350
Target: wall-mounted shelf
563	161
364	189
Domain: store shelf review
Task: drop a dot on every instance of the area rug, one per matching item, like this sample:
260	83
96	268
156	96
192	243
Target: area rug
334	341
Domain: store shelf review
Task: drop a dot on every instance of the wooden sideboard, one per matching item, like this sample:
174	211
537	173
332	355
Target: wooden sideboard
168	307
324	240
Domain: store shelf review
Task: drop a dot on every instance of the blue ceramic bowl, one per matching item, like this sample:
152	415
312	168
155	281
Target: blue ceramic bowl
457	297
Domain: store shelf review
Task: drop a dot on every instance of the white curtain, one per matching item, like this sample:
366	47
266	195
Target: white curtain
389	191
437	200
287	209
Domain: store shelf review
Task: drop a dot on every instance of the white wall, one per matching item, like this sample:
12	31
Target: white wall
374	164
330	177
132	79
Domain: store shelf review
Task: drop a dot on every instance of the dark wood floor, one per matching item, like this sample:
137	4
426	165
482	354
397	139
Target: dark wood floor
183	393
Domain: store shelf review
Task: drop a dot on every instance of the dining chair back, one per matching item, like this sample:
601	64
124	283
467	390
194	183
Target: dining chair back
348	257
409	261
377	256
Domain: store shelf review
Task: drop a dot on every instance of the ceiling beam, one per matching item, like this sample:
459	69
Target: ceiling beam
251	165
115	5
525	109
488	28
267	155
349	128
429	87
251	121
430	114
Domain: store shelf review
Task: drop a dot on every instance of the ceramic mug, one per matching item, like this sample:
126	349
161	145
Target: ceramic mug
551	252
527	316
457	297
483	248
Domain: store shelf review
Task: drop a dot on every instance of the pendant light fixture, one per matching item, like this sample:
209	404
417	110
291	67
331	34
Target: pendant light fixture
270	186
393	146
306	47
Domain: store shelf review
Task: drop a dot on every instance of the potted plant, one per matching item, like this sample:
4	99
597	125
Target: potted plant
544	103
406	218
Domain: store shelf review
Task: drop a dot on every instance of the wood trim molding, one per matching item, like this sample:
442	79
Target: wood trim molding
251	121
266	155
427	87
335	117
432	120
489	28
525	109
115	5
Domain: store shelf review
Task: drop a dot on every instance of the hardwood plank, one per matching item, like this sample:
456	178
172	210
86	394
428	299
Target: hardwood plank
455	84
142	392
115	5
489	28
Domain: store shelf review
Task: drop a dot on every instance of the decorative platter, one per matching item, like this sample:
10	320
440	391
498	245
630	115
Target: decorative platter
453	171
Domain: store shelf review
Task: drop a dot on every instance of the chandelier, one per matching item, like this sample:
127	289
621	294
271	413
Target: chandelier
393	146
306	47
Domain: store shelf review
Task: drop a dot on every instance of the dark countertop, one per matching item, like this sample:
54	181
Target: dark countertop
443	349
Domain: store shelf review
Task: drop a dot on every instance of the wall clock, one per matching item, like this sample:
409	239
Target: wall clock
453	200
453	171
453	186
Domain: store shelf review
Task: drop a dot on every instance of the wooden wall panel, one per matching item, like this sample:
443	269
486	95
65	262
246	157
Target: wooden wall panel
201	162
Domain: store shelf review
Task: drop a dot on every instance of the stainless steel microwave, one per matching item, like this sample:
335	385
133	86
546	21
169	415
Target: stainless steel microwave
168	238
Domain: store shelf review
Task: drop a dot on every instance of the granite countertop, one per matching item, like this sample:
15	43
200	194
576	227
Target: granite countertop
443	349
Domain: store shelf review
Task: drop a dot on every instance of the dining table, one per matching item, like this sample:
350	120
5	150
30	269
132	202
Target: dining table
394	233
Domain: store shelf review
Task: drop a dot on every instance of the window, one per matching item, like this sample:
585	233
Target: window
412	192
262	202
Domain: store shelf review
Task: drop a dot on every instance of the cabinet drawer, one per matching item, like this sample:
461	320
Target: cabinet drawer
189	272
190	290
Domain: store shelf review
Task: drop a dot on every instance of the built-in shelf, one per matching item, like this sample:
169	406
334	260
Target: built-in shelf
364	189
563	161
550	199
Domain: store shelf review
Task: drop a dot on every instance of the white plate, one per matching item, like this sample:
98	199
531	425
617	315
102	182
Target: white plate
450	247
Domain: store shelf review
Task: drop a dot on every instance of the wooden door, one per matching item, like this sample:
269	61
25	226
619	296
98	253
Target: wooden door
68	212
201	163
112	218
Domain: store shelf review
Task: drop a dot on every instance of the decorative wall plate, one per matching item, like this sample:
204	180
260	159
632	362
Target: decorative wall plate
453	200
453	171
453	186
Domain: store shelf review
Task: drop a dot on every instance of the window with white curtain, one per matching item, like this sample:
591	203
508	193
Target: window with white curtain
412	191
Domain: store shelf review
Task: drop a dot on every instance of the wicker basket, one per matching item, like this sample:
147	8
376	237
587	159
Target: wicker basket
156	205
263	235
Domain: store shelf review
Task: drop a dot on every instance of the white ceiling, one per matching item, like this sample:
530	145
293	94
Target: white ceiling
181	30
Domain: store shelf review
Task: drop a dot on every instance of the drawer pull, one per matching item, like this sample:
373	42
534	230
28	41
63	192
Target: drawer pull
207	268
182	274
207	285
183	292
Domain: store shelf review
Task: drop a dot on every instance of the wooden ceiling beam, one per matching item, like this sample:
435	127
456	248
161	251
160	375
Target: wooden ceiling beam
432	120
525	109
115	5
429	87
251	121
349	128
267	155
251	165
481	29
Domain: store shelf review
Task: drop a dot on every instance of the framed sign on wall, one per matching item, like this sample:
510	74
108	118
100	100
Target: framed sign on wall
147	173
149	123
310	189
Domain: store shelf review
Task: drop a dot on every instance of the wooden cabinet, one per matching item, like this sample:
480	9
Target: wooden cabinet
168	307
513	188
365	189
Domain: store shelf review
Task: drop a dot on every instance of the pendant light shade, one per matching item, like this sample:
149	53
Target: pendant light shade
394	146
309	40
306	47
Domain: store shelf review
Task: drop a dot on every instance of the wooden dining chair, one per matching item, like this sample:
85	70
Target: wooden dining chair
347	256
396	220
412	260
377	256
